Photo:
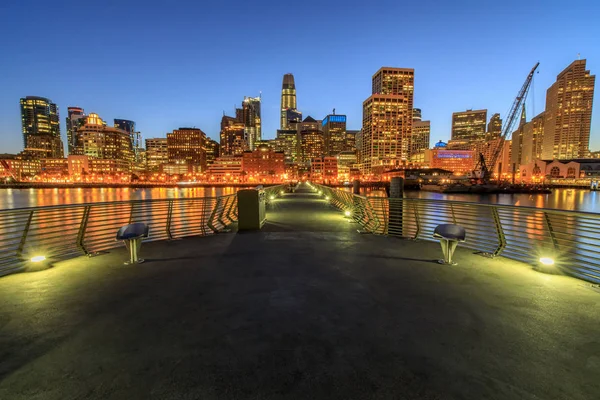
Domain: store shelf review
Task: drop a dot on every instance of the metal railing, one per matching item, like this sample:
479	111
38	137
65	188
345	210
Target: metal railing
64	231
571	239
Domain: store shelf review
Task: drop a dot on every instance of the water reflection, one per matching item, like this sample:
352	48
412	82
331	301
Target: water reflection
18	198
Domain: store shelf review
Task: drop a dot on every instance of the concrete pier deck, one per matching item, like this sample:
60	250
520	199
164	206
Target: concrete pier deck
307	308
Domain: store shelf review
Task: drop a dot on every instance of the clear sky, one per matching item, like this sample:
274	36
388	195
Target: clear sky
170	64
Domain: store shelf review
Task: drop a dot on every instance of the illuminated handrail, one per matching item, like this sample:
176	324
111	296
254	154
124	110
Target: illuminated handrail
69	230
526	234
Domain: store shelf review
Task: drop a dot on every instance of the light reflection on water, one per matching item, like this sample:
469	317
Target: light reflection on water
562	199
18	198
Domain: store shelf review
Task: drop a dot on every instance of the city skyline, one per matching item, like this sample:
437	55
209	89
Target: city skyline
448	78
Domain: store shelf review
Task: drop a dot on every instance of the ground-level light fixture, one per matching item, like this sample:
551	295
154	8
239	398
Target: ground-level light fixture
347	213
282	192
38	258
547	261
326	197
272	198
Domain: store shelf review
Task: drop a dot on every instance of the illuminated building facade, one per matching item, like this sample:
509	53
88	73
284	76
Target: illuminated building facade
312	143
186	146
75	118
417	114
103	142
350	144
346	160
225	166
264	162
419	140
468	127
54	166
157	153
324	169
387	120
533	134
287	142
212	151
232	137
334	134
288	99
568	114
494	127
136	137
252	121
18	168
458	161
517	140
41	128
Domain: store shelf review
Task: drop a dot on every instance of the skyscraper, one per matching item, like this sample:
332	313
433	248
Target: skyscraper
156	153
252	122
350	144
334	134
103	142
232	140
311	140
468	128
494	127
517	140
288	98
212	151
187	146
41	128
419	141
568	114
136	137
387	120
75	118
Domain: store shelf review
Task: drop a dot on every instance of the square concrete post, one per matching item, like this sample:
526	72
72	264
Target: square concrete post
395	206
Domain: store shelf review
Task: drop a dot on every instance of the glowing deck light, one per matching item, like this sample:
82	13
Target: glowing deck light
272	198
326	197
547	261
38	259
282	192
347	213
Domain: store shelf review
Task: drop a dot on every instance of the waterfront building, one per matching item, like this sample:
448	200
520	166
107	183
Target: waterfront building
135	136
460	162
517	140
288	99
232	137
568	113
75	118
41	128
252	121
324	169
78	164
312	144
225	167
533	134
350	143
419	139
468	128
212	151
157	153
187	146
503	163
387	120
102	142
54	166
263	163
334	134
18	168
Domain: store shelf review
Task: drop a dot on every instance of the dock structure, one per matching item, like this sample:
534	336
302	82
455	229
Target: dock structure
305	308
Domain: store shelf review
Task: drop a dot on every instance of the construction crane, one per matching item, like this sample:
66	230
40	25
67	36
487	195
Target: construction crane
483	170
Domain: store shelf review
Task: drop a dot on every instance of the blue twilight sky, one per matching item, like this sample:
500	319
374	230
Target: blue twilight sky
170	64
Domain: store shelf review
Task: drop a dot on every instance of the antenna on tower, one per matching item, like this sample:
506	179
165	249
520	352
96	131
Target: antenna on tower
579	56
334	111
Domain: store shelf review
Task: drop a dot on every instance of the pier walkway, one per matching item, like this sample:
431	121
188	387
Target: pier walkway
307	308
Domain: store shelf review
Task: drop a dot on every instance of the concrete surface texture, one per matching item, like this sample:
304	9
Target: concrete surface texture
307	308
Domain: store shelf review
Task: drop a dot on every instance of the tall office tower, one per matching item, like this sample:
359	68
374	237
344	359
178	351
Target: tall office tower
350	143
287	141
212	151
288	98
187	146
232	142
334	134
387	120
252	123
293	117
468	128
533	134
157	153
416	114
136	137
310	138
494	127
569	114
517	141
75	118
41	128
419	141
99	141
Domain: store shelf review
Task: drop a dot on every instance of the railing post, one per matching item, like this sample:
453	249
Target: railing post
212	216
82	229
131	213
395	207
499	232
25	233
169	217
417	221
551	230
452	212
